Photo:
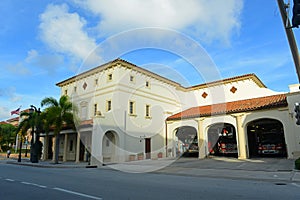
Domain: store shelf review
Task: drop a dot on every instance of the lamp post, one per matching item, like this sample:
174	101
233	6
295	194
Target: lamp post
34	155
290	34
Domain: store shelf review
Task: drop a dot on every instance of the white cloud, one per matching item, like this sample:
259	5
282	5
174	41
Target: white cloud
31	55
18	69
10	93
206	20
64	32
47	62
4	113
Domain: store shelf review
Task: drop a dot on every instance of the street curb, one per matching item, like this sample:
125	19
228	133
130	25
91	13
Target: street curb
50	165
289	179
229	177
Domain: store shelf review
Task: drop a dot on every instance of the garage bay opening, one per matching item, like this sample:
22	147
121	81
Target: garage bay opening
266	138
222	140
186	141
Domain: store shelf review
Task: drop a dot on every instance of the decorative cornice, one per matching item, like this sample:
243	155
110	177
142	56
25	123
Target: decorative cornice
123	63
228	80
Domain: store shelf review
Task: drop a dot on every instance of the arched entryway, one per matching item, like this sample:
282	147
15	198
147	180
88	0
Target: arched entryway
186	141
222	140
266	138
109	147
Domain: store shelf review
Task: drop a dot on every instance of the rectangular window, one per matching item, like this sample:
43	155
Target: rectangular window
108	105
95	109
66	92
131	108
83	113
96	82
109	77
131	78
75	89
147	110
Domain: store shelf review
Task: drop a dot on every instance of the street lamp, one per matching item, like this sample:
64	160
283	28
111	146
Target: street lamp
34	155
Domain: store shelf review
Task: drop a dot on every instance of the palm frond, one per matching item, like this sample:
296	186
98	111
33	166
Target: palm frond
24	126
59	113
49	101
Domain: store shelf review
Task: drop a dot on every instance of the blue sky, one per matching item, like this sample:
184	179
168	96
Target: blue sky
45	42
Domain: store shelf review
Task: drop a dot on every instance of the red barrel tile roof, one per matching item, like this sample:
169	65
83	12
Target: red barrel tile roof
86	122
261	103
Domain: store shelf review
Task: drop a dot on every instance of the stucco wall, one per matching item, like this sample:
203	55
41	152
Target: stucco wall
291	130
164	98
245	89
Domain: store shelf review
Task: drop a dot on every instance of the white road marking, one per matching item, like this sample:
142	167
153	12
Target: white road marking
59	189
77	193
34	184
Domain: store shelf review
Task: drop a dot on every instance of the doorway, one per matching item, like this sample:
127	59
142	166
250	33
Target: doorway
148	148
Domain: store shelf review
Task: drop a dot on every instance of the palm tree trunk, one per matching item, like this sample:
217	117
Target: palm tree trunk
56	149
20	151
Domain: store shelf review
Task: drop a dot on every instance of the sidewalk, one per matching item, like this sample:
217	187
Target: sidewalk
263	169
44	164
267	169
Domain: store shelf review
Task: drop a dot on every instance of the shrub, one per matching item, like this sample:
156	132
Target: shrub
297	164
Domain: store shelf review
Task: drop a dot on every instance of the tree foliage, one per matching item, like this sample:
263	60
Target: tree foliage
28	120
7	134
58	114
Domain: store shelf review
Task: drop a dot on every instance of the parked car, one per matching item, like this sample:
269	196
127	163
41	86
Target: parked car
227	146
193	148
271	144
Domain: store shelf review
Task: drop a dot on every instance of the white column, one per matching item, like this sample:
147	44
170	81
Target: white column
77	147
65	148
242	144
201	140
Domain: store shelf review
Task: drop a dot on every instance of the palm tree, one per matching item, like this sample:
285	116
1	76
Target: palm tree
46	129
59	114
29	121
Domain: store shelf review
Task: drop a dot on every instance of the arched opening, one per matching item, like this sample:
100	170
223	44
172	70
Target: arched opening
222	140
109	147
186	141
266	138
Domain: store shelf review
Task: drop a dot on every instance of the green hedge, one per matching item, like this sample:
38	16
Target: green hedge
297	164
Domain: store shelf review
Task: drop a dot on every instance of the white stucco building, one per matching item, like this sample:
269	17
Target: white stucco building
128	111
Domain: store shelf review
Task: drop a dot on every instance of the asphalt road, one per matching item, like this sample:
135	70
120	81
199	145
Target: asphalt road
23	182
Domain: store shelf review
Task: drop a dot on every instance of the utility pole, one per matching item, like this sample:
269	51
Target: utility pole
290	35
